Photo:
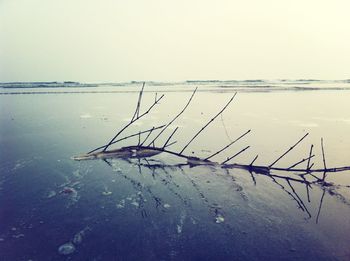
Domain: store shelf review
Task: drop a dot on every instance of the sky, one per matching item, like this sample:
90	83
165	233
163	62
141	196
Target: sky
164	40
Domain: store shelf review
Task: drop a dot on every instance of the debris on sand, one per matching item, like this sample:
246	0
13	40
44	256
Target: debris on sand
66	249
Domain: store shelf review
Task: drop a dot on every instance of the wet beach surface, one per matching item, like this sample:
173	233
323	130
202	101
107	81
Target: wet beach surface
54	208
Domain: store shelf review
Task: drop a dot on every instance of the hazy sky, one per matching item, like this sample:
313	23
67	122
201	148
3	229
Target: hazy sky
114	40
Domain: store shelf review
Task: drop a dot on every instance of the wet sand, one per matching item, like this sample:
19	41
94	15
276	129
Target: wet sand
128	210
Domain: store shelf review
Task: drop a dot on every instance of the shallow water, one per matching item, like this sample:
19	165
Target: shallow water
159	209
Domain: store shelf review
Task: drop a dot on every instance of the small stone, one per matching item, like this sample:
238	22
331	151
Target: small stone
166	205
66	249
107	193
219	219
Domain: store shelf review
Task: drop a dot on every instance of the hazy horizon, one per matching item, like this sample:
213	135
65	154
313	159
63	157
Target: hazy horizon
117	41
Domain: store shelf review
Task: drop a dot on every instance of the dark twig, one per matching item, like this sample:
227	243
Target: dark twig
288	150
208	123
137	111
127	137
228	159
139	143
308	162
216	153
149	133
182	111
165	144
324	160
251	164
170	144
299	162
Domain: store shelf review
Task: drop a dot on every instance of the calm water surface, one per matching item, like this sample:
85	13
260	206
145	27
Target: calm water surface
161	209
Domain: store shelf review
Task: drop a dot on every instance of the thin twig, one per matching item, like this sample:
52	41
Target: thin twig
149	133
178	115
299	162
170	144
323	156
208	123
251	164
288	150
308	162
165	144
136	114
138	144
216	153
228	159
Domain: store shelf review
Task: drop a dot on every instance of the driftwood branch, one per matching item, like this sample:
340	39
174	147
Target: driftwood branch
140	151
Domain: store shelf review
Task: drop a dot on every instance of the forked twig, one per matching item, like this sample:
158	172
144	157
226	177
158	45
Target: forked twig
227	146
299	162
166	143
241	151
284	154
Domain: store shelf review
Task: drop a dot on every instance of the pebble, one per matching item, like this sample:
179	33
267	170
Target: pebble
166	206
66	249
219	219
